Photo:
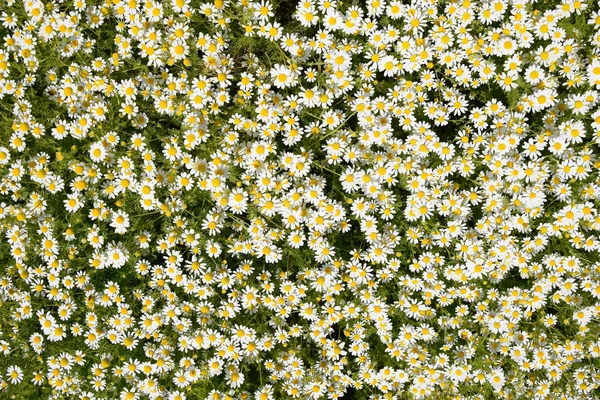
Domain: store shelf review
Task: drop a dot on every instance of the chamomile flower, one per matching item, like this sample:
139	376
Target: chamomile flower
120	221
238	201
282	76
14	374
213	249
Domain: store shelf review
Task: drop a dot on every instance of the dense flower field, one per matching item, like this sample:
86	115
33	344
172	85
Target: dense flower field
234	199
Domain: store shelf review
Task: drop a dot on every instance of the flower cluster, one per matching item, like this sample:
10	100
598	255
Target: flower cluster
312	199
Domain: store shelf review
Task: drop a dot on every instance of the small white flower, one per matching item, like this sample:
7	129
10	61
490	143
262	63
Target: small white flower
14	374
120	221
97	152
496	379
73	203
